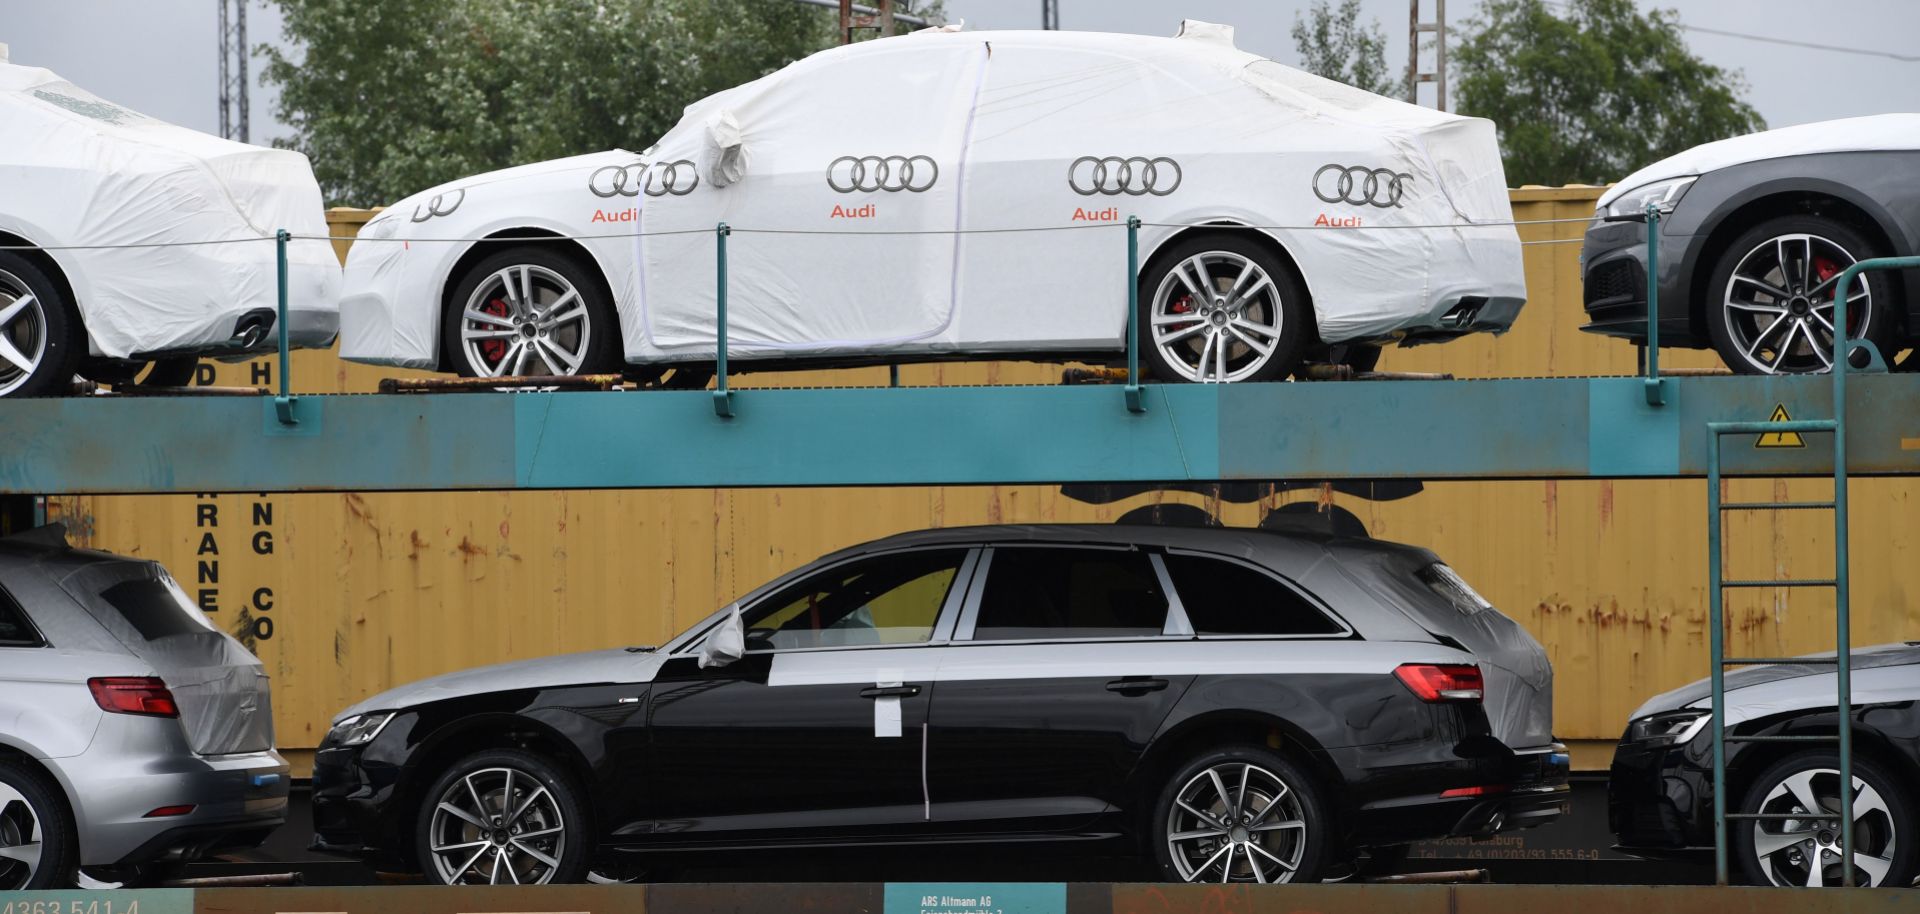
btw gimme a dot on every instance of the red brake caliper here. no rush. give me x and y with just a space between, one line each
494 350
1823 270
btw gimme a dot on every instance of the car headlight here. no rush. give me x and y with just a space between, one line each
1672 728
1666 193
359 729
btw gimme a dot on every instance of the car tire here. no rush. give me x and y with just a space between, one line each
1883 816
43 340
1748 319
1256 327
32 811
492 329
1290 849
547 842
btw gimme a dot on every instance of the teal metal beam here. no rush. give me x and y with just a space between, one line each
1565 428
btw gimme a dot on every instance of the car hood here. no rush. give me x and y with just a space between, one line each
608 666
582 163
1880 132
1865 658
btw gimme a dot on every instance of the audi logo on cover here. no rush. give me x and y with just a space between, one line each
1360 185
849 174
655 179
1131 175
440 205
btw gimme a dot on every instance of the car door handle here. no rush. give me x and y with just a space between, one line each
899 691
1136 685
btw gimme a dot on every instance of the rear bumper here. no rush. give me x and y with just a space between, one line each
237 801
1523 789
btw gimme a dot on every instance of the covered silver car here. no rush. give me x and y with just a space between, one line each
154 242
132 731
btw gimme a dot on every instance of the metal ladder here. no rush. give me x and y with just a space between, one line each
1718 585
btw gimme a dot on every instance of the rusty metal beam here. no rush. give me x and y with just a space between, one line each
1548 428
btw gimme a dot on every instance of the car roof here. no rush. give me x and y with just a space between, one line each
1292 545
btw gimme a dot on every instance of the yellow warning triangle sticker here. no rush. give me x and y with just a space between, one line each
1780 439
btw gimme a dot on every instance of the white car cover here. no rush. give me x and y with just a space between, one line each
1874 133
78 170
1017 137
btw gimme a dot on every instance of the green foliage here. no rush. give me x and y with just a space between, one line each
1333 44
388 98
1591 96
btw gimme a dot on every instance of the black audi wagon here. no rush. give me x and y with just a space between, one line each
1234 705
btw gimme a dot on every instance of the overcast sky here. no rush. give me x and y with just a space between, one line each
159 56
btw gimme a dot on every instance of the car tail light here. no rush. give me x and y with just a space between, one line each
168 812
1473 791
133 695
1438 682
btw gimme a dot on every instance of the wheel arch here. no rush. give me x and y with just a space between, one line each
1825 199
62 790
44 260
1183 741
477 251
1263 237
480 733
1868 740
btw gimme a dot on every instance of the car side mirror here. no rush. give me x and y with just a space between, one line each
726 643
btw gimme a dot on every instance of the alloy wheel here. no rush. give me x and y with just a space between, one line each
23 333
524 320
1236 822
1779 304
1216 317
20 839
1807 852
497 826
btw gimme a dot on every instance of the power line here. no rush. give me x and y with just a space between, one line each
1907 58
1768 39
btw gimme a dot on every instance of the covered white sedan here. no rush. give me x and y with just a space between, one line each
951 195
121 242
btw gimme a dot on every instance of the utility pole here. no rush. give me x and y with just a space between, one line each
1050 15
233 69
1438 75
852 18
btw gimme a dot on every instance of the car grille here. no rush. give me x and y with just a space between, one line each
1615 279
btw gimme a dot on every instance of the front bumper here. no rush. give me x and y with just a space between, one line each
237 801
1659 801
357 802
1613 269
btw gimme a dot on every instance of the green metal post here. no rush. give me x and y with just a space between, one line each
1135 403
1656 389
283 404
722 398
1842 610
1716 636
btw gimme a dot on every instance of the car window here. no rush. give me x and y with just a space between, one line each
1228 598
1070 593
15 630
154 609
888 599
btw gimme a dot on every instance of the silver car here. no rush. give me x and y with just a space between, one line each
132 731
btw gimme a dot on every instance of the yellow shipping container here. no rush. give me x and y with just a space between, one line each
344 595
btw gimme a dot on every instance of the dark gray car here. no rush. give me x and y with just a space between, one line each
1759 227
131 730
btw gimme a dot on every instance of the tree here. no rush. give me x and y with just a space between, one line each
388 98
1590 97
1333 44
